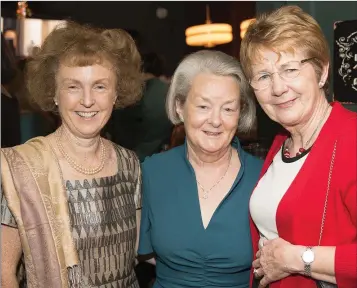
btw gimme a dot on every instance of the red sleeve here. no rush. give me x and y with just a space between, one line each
346 265
346 255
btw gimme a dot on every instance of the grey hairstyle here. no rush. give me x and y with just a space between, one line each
216 63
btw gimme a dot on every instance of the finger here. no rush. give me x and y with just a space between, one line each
259 273
267 242
256 274
259 253
256 263
264 282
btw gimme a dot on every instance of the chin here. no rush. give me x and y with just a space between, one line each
90 129
211 148
88 132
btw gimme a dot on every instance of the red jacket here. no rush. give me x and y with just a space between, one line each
299 213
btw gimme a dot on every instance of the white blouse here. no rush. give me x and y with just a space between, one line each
269 192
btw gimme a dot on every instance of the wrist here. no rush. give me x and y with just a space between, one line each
297 264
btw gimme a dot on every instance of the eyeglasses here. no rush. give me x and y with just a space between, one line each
288 71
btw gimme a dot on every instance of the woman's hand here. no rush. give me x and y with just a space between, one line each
275 260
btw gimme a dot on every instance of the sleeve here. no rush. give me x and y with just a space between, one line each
145 246
138 192
6 216
346 255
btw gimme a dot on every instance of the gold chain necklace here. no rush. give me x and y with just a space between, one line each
75 165
206 192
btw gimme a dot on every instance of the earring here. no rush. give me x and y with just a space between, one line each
55 102
321 84
181 118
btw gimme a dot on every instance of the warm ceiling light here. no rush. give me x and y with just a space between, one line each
244 26
209 35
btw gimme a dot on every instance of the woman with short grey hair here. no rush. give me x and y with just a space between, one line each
217 63
195 223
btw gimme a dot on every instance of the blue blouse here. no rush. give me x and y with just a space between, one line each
188 255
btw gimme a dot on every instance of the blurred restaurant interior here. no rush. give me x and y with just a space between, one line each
157 27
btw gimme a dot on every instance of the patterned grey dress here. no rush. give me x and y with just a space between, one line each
103 222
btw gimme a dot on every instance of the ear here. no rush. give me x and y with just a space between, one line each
179 109
324 74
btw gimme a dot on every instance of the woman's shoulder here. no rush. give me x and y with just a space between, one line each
343 119
125 154
164 159
253 165
37 145
253 160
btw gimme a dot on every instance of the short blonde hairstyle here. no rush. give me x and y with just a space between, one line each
216 63
80 45
287 29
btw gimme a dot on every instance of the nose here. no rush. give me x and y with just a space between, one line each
279 87
87 99
215 118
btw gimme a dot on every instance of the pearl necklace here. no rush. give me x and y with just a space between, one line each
78 167
206 192
302 149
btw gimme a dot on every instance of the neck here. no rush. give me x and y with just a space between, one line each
303 136
202 159
80 146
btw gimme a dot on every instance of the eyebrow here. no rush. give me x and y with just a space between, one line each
280 66
209 100
77 81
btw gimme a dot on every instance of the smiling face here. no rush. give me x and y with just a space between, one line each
211 112
85 97
290 103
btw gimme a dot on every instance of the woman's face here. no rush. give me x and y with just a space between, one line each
290 103
211 112
85 97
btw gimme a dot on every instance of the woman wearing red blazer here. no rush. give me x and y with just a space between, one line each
303 209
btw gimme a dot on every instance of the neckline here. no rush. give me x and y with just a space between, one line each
52 149
295 158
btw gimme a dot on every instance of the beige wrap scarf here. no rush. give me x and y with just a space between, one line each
33 187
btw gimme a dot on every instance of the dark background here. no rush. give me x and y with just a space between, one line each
163 36
167 36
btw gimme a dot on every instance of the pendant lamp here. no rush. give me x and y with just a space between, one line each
209 34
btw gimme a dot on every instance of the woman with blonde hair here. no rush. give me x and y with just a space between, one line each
303 208
71 200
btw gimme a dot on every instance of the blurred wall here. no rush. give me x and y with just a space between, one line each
164 36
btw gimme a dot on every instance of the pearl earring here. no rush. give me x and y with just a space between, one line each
321 84
181 118
56 102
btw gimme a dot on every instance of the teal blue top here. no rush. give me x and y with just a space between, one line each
187 254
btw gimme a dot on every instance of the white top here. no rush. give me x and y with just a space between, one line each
269 192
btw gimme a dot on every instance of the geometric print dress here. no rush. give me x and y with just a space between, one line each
103 222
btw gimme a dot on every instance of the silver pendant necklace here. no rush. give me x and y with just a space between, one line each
205 192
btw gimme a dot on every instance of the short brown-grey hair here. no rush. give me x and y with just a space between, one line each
287 29
73 44
216 63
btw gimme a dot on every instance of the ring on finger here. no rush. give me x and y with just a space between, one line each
255 272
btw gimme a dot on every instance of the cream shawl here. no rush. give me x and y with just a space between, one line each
33 187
